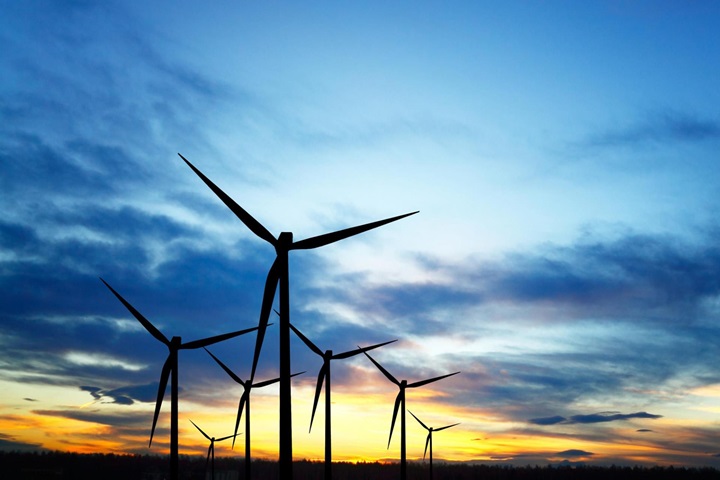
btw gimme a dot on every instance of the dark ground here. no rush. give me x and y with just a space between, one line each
58 465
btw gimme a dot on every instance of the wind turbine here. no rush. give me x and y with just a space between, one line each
400 400
211 448
279 273
324 374
428 441
171 367
247 385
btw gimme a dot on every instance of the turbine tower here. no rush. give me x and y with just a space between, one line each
428 440
279 273
171 367
400 401
247 385
324 374
211 449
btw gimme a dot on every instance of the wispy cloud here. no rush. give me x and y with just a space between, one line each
125 419
660 128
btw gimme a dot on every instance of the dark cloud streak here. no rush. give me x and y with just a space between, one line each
592 418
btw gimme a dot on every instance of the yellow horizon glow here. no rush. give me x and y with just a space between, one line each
360 428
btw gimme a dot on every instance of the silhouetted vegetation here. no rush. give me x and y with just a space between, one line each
61 465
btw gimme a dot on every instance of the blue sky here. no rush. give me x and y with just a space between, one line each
563 158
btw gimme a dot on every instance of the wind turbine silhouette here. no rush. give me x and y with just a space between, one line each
324 374
428 441
171 367
400 400
211 448
279 273
247 385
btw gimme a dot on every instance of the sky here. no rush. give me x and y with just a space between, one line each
563 157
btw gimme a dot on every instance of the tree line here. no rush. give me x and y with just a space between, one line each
41 465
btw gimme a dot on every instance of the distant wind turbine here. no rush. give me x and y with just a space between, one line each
247 385
279 273
400 401
428 441
171 367
211 449
324 374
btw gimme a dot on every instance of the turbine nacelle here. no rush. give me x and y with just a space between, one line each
284 242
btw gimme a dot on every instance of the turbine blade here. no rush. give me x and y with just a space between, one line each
385 372
446 426
268 297
327 238
161 393
255 226
225 367
217 338
430 380
427 442
200 430
241 407
419 421
207 460
352 353
143 321
394 417
318 388
265 383
225 438
307 341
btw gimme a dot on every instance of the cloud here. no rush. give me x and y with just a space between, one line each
124 395
85 195
8 443
661 127
574 453
611 318
626 274
651 278
591 418
81 138
126 419
74 78
548 420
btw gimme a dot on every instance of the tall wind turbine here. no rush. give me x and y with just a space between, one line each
324 374
211 449
428 441
400 401
279 273
171 367
247 385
